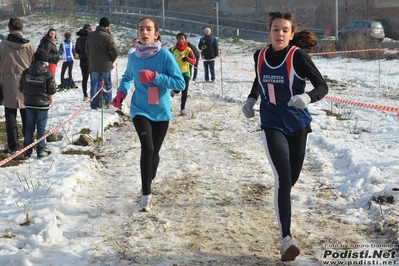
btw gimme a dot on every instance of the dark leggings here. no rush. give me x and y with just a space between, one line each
286 154
12 127
84 68
65 65
151 135
184 93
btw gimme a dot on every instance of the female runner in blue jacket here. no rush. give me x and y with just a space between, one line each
154 73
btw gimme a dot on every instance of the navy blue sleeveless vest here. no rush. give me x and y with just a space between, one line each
278 84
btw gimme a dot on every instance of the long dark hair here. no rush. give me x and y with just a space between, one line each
304 39
48 33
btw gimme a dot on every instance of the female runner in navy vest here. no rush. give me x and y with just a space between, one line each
281 72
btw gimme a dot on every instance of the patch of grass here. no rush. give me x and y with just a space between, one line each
3 144
355 42
14 162
19 159
254 193
393 56
335 84
325 47
236 40
3 135
332 81
360 42
85 131
115 124
330 113
384 199
8 235
80 152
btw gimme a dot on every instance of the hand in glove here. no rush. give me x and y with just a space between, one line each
184 59
248 108
300 101
146 75
117 101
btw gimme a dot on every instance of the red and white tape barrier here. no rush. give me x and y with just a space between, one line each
327 97
348 51
6 160
226 60
325 53
364 105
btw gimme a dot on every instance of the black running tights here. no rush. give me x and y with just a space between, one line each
151 135
286 154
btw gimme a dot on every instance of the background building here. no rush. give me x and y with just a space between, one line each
309 13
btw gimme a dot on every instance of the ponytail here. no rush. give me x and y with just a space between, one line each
304 39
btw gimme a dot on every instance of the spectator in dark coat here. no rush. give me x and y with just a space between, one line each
84 64
49 43
102 53
208 45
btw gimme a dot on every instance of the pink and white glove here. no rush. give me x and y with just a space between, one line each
117 101
147 76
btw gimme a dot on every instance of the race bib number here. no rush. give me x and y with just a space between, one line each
272 95
153 95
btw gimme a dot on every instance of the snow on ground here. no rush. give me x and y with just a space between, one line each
214 189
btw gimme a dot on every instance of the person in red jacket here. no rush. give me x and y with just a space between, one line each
184 57
49 43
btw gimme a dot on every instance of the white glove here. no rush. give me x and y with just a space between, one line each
248 108
300 101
